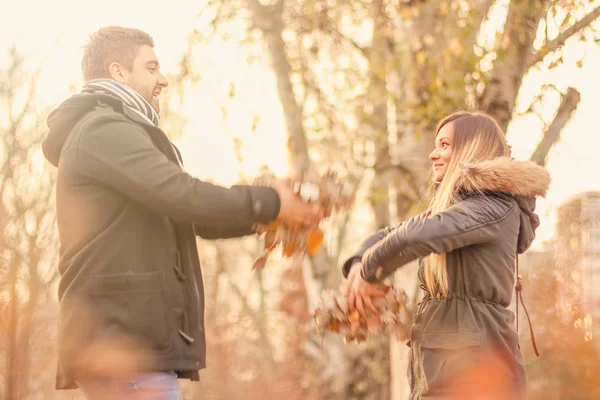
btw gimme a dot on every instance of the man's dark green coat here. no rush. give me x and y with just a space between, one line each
131 293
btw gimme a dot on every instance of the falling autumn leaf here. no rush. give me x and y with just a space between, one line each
289 249
327 190
314 241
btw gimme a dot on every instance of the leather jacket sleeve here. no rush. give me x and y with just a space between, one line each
474 220
370 242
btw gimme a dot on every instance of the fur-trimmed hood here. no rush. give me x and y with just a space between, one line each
524 180
517 178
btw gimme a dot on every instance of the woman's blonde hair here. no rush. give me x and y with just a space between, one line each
477 137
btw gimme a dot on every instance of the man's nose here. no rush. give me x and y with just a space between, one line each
162 81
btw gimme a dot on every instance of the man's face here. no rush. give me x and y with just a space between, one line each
145 76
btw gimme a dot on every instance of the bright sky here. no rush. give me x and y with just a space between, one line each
54 31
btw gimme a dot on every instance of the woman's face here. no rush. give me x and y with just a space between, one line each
442 153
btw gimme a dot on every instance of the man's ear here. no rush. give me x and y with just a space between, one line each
117 72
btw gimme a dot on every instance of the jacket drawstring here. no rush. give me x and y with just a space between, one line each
519 296
177 267
426 298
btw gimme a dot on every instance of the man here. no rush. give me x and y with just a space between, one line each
131 292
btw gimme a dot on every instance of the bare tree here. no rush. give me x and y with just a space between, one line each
27 236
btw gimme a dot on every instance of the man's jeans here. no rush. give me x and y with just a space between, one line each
145 386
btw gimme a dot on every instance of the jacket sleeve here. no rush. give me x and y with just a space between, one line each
370 242
210 232
121 156
473 221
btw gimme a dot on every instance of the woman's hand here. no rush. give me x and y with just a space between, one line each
360 292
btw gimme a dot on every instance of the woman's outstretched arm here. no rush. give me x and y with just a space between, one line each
473 221
370 242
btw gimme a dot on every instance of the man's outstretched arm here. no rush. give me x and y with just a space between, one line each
122 156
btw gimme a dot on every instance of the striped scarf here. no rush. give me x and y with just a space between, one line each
129 96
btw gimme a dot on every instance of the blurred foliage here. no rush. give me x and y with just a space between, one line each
569 361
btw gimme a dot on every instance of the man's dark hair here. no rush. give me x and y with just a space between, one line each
111 44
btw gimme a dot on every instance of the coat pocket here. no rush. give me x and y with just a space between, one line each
446 355
132 304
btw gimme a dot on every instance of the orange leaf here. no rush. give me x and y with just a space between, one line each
289 249
334 325
270 240
271 226
260 263
314 241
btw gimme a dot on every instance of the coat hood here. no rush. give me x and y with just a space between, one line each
524 180
62 120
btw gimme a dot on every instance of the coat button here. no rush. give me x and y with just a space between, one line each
257 207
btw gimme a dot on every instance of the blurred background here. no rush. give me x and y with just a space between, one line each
357 86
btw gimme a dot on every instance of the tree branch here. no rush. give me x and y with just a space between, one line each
557 42
566 109
259 322
343 38
217 18
483 9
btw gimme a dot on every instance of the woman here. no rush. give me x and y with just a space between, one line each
463 342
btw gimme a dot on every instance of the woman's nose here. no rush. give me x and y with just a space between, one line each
434 155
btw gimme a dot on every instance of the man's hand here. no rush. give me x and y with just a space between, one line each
360 292
295 212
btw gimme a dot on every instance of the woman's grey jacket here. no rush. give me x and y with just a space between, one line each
453 338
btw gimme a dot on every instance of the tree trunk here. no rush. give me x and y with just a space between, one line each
269 21
377 119
317 270
500 95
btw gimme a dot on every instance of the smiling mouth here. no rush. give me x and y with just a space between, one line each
436 166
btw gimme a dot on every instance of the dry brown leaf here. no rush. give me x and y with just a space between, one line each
394 316
327 190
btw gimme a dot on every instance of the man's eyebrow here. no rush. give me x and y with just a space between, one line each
152 63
